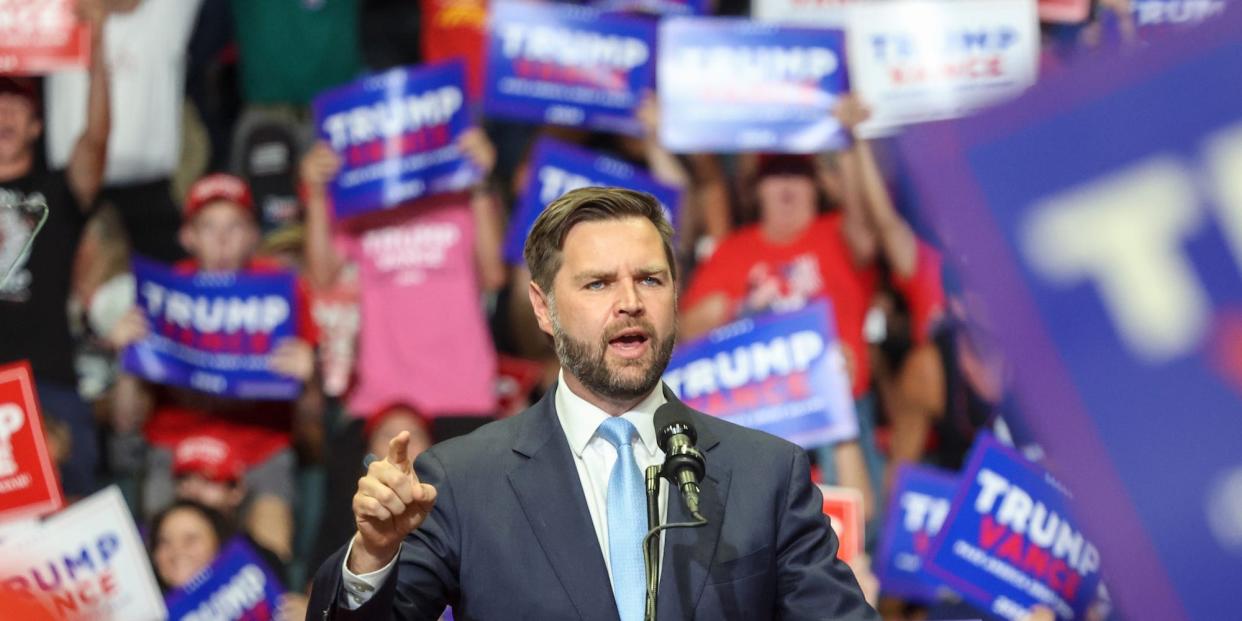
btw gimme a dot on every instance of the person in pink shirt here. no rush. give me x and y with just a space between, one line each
422 269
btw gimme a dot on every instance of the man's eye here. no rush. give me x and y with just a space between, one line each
653 281
595 285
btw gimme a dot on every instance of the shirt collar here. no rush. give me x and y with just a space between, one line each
580 419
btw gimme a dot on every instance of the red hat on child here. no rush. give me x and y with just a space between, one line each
208 457
218 187
375 420
22 87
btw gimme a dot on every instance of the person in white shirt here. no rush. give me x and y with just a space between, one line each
145 53
541 515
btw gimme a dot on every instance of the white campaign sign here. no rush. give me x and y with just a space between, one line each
86 562
923 60
825 13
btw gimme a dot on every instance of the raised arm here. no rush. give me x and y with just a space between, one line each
896 238
488 228
85 170
664 166
319 166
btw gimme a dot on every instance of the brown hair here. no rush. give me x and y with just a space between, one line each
547 236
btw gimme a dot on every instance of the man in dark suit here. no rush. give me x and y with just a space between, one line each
540 516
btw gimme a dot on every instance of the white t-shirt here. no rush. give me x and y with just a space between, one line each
146 55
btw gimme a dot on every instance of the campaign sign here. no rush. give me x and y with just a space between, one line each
920 503
515 379
1010 541
41 36
568 65
238 586
214 332
825 13
557 168
28 485
655 7
1115 262
86 562
921 60
843 506
783 373
730 84
1153 18
397 134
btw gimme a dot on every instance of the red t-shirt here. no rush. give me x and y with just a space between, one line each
254 429
757 275
924 293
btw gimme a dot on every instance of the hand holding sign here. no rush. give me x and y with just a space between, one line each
295 358
850 112
478 149
92 12
131 328
319 166
391 502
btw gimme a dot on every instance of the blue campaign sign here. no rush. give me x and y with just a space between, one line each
238 586
783 373
397 133
214 332
557 168
568 65
1010 541
730 84
657 7
1159 17
918 507
1114 262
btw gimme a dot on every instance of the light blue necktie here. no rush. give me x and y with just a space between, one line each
627 521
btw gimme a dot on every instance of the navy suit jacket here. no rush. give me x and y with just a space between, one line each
511 536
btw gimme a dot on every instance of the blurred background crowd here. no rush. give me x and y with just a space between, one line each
188 140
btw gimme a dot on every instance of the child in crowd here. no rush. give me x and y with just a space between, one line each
221 234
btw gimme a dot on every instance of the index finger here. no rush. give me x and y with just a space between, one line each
399 451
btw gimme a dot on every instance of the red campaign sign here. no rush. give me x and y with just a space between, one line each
41 36
843 506
1064 11
28 484
515 378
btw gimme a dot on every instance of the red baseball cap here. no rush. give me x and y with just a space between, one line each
22 87
218 187
784 164
208 457
386 412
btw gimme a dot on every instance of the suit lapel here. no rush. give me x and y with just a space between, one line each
548 488
689 552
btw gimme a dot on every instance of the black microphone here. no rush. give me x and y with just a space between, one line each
683 464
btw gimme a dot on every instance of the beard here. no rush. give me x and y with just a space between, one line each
627 379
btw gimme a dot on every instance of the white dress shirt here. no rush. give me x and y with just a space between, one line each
593 457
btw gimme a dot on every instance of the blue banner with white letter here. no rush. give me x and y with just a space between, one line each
397 134
917 510
1010 541
1160 17
237 586
783 373
214 332
1115 263
568 65
556 168
730 84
